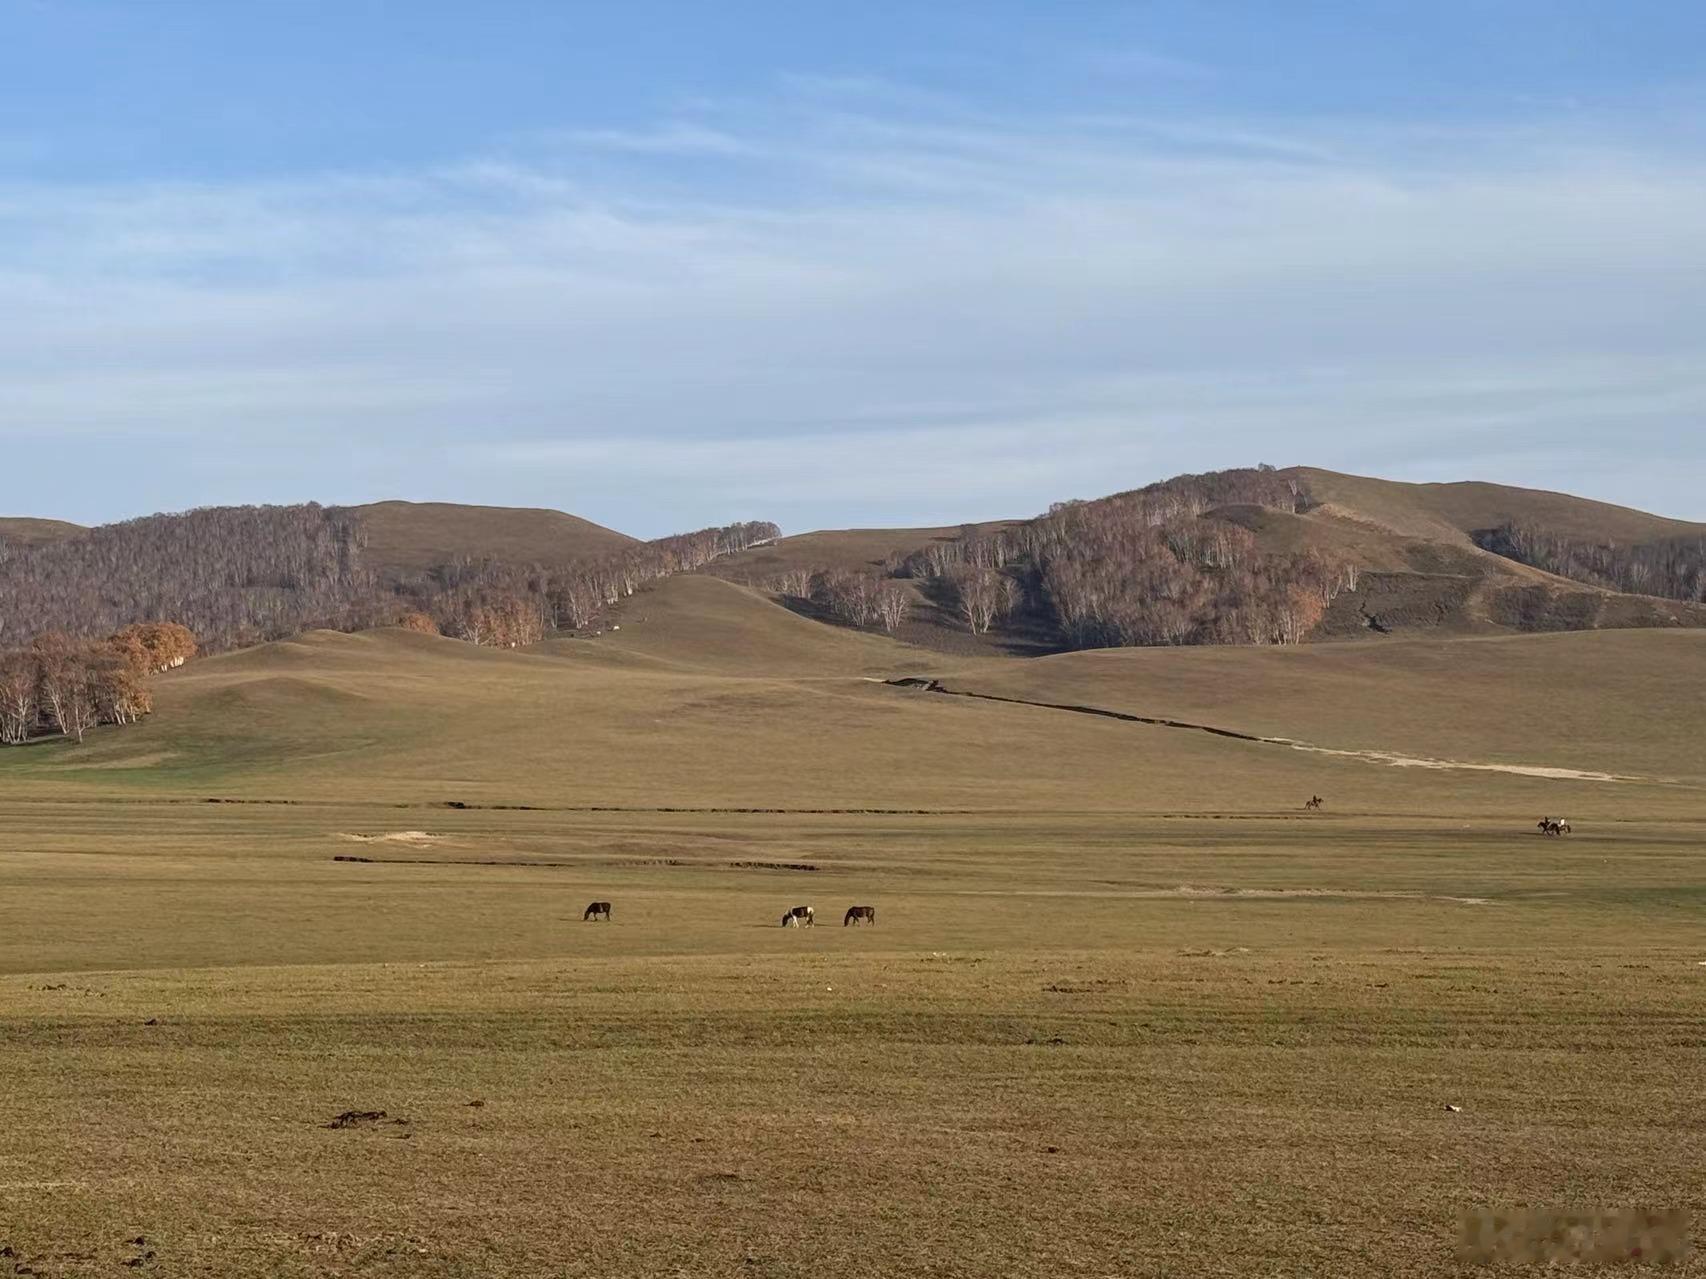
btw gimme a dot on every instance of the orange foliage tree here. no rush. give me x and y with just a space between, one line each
66 686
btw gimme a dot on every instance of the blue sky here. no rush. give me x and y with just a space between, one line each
667 264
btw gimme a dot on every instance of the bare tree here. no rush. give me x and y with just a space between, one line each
978 593
55 658
77 708
64 686
893 604
850 598
795 582
18 710
1674 567
1297 612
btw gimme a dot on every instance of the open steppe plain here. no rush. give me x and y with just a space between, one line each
1126 1009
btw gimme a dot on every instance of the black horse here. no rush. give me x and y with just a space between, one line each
859 914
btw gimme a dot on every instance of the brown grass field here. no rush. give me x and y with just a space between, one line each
1126 1010
412 537
25 531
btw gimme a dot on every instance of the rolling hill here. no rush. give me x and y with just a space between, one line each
1389 525
708 684
412 537
1413 558
710 695
1252 556
21 530
1450 513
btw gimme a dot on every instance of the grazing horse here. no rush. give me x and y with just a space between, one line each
597 910
857 914
1314 802
790 920
804 915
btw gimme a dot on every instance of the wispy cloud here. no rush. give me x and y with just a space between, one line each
667 140
1134 62
869 306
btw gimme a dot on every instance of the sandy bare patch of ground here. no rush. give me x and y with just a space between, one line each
1287 894
1415 761
408 838
1199 892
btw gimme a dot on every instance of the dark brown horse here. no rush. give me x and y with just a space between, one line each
858 914
1315 802
597 910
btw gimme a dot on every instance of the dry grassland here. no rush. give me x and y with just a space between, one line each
1125 1011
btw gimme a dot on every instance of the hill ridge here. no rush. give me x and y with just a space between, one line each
1245 556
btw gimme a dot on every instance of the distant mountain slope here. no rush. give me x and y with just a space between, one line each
240 575
1261 556
411 537
21 530
1244 556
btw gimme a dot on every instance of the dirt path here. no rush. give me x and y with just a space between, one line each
1391 758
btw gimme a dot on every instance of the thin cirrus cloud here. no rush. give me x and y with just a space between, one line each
844 308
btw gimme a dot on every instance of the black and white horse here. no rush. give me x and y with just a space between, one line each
597 910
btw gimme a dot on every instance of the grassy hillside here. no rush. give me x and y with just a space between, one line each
708 625
1450 512
414 536
1623 701
712 696
24 531
404 718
